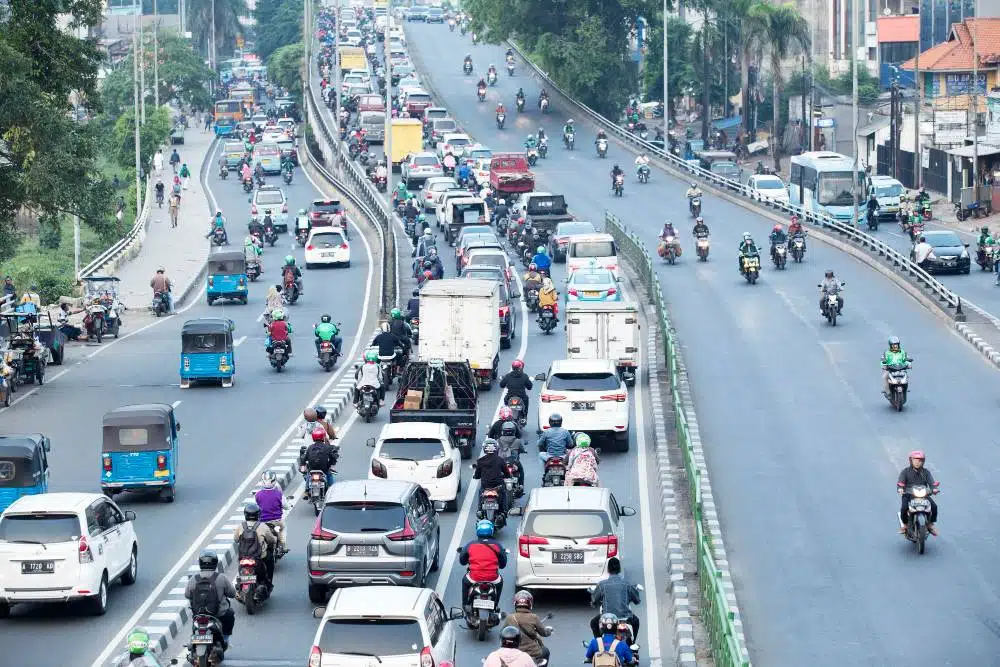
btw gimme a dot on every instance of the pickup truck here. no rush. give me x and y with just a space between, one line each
544 211
442 392
509 174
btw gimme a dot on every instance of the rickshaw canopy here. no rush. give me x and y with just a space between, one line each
146 426
22 459
228 262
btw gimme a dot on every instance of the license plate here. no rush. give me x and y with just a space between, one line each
328 254
161 473
592 294
491 506
583 405
920 504
483 603
38 567
202 640
567 556
362 550
246 579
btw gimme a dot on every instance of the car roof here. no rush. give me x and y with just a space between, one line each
439 179
326 230
940 233
370 490
592 270
53 502
425 154
570 223
767 177
884 179
581 366
568 498
457 135
406 430
593 237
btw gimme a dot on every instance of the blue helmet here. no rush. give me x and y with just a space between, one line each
484 529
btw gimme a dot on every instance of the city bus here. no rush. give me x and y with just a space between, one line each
228 113
821 181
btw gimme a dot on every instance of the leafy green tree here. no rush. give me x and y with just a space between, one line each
279 23
681 52
227 24
284 67
152 134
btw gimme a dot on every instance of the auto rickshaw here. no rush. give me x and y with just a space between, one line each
207 351
139 450
227 276
25 353
103 291
24 467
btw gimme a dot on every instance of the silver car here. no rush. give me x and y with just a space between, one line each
373 532
420 167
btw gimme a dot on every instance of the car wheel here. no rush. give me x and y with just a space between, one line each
621 439
98 604
505 343
132 571
4 610
437 554
317 593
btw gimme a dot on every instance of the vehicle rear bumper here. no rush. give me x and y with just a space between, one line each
343 575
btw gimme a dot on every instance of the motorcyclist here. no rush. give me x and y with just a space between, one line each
532 278
501 210
915 474
481 85
278 330
554 440
432 263
692 192
258 171
467 63
830 285
252 252
413 305
548 296
218 222
400 329
295 271
326 330
485 557
500 108
542 138
369 374
984 241
138 653
530 143
272 505
255 539
543 95
615 595
776 237
503 416
747 249
520 96
795 227
320 455
210 592
601 136
568 128
517 382
159 189
609 642
640 162
511 447
894 356
509 654
530 625
491 70
464 173
386 342
582 462
410 212
872 205
490 471
424 243
401 193
616 171
268 221
542 260
700 228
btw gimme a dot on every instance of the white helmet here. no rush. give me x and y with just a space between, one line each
385 327
428 233
268 479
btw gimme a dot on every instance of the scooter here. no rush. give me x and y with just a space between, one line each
316 488
248 590
547 319
482 608
918 515
278 356
205 646
253 271
328 355
367 405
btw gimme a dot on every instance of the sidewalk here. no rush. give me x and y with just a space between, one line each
181 251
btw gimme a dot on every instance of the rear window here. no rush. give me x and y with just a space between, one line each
442 186
458 141
488 258
468 213
234 147
266 197
425 161
570 230
379 637
372 118
593 249
327 240
436 113
573 525
443 125
418 97
40 528
363 517
266 149
591 279
414 449
770 185
583 382
326 207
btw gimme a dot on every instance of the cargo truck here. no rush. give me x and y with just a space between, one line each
460 321
608 330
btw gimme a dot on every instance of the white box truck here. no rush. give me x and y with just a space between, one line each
605 331
460 321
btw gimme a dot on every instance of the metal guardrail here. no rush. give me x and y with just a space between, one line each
123 244
718 614
359 190
948 300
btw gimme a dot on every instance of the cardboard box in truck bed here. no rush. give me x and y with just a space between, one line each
604 331
460 321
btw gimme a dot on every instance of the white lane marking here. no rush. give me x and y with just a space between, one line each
470 494
36 388
239 341
184 561
175 404
652 622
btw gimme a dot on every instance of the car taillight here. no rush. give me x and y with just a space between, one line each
253 210
524 543
612 267
405 535
310 247
504 311
320 533
161 462
86 555
343 246
426 659
610 540
463 432
315 657
612 291
445 468
378 469
548 398
573 292
563 241
106 460
242 282
284 208
619 397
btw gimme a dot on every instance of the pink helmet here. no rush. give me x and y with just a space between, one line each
917 454
318 434
506 414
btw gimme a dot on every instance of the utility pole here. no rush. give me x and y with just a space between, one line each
666 74
894 108
135 113
336 58
387 142
804 124
141 54
854 105
706 112
156 57
918 103
76 247
212 46
812 83
975 110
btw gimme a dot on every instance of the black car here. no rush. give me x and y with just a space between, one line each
949 254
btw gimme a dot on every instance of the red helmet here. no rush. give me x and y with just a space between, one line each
506 414
917 454
318 434
428 275
795 218
777 228
517 365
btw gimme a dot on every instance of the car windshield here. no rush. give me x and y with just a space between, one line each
443 125
943 239
592 278
328 207
48 528
362 517
235 147
573 524
770 184
574 228
417 449
594 249
417 97
481 154
425 161
371 636
835 189
437 113
327 240
266 150
891 190
265 197
601 381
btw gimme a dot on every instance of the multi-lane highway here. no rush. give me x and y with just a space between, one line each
803 450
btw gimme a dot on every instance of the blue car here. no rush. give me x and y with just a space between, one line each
592 284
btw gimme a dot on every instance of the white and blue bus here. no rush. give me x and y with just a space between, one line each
821 181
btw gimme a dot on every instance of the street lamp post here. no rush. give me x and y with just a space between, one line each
140 54
854 105
135 113
666 74
156 57
975 111
388 111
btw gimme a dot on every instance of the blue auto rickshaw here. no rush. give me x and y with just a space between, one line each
24 467
207 351
139 450
227 276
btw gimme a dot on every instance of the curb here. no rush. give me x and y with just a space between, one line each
984 348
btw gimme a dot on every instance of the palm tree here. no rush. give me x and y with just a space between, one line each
751 43
227 25
786 31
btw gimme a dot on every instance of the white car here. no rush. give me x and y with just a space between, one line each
419 452
65 547
406 626
325 246
481 170
768 187
589 395
567 535
354 37
455 143
352 80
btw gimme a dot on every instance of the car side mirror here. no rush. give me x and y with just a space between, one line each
640 588
318 612
627 511
177 426
541 377
370 442
819 286
620 279
129 515
47 444
843 284
516 510
455 614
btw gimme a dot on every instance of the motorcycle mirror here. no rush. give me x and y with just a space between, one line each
640 588
456 614
515 511
620 279
458 550
966 245
318 612
370 442
177 425
819 286
843 284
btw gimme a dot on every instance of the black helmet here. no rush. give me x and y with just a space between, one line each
508 429
208 560
251 512
510 637
326 319
555 419
416 292
320 412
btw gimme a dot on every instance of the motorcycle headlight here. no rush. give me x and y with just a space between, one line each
919 492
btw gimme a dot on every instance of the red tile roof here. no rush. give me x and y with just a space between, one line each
898 28
955 55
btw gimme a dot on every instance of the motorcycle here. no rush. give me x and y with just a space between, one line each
367 406
248 590
547 319
555 471
831 305
159 199
872 221
415 329
916 229
387 366
619 185
260 178
984 257
327 356
602 148
510 69
290 293
780 255
798 248
899 385
516 405
510 470
643 174
270 236
467 67
543 148
223 172
253 271
481 609
569 140
481 93
501 117
519 103
751 268
380 183
694 206
531 299
219 237
532 156
701 248
490 509
491 78
248 185
159 306
668 249
278 356
287 176
316 489
205 646
95 322
543 104
918 515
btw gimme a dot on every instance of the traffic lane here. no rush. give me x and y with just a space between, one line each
798 393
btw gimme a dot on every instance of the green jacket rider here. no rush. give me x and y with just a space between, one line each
894 356
985 238
327 331
747 249
531 142
568 127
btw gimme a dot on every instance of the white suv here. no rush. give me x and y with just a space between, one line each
63 547
589 395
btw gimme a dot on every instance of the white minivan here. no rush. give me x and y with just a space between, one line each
590 396
586 248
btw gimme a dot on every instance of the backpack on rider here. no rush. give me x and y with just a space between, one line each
205 598
606 656
249 544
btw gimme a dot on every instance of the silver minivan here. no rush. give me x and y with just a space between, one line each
373 123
